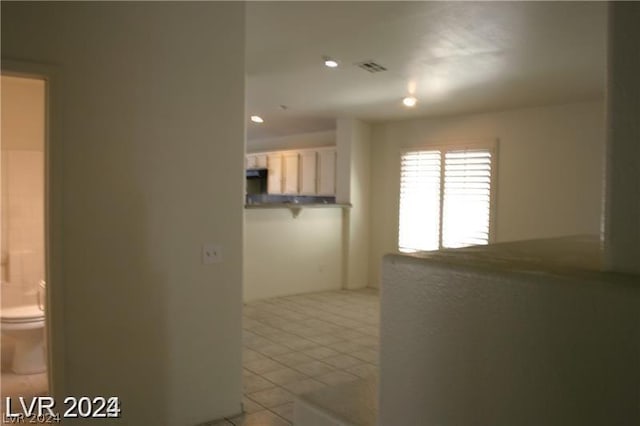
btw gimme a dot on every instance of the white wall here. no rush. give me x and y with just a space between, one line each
146 145
622 213
353 186
473 345
284 255
298 141
550 169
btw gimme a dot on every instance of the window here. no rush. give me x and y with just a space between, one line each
445 198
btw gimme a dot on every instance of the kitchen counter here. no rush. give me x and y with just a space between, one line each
296 207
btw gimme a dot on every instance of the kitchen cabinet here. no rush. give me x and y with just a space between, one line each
274 177
256 161
326 172
290 182
308 172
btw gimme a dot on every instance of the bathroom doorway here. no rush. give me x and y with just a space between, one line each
23 346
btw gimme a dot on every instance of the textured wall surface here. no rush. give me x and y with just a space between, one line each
480 345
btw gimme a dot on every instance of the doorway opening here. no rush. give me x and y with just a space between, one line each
24 355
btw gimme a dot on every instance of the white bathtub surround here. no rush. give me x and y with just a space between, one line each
23 217
517 333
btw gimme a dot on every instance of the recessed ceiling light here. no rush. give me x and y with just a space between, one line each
410 101
330 63
257 119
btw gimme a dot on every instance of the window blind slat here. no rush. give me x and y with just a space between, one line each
465 199
419 201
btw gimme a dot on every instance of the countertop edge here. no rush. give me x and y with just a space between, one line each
297 205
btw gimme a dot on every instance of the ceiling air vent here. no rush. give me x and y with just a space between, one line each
371 66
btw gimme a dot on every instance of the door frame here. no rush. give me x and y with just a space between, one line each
53 238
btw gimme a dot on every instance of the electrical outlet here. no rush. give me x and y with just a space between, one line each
211 253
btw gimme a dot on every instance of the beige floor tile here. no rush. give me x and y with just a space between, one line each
219 423
350 334
303 386
249 355
346 347
262 366
293 358
368 355
300 344
250 406
256 342
325 339
364 370
368 342
288 339
285 411
264 330
272 397
320 352
260 418
282 337
256 383
273 349
336 378
314 368
284 375
342 361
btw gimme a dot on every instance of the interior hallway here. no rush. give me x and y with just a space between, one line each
297 344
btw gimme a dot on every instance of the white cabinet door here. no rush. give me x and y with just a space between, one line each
327 172
308 173
261 161
274 177
291 173
252 161
256 161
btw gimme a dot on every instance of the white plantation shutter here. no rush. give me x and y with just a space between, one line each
467 198
419 201
445 199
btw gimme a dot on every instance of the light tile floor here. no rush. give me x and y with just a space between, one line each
292 345
298 344
24 385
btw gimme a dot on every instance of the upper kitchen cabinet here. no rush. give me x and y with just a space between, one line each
274 177
326 171
308 173
290 183
256 161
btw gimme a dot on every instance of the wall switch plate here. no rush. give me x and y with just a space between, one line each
211 253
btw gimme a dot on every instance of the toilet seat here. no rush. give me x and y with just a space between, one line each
21 314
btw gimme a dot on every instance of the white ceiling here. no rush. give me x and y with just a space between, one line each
457 57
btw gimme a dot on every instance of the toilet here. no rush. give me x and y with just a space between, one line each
25 324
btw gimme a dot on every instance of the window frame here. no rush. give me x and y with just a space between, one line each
491 146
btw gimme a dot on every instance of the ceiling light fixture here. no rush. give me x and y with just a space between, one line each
257 119
330 63
410 101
